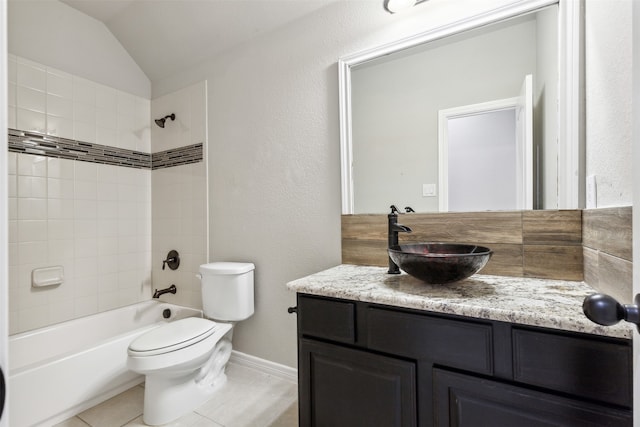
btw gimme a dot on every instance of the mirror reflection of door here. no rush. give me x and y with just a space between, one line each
486 154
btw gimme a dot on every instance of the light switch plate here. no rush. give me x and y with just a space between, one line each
428 190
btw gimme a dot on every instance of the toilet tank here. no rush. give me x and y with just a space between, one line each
227 290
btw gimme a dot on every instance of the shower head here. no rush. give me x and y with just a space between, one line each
160 122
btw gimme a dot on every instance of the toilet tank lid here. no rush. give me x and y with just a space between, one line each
226 268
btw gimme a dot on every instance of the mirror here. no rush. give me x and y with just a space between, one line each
399 103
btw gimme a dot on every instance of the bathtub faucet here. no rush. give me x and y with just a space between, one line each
170 290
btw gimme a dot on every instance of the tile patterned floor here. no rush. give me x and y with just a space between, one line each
249 399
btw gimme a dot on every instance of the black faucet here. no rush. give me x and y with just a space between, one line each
170 290
394 229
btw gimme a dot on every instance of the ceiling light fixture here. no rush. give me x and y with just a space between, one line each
395 6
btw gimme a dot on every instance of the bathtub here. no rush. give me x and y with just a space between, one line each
58 371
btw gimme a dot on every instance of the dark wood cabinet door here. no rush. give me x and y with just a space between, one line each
345 387
467 401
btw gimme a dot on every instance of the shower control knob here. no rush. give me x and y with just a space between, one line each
605 310
173 260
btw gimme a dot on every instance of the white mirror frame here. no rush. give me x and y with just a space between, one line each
571 156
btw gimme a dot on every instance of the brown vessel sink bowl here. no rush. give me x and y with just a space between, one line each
440 263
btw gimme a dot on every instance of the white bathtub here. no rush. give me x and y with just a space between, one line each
58 371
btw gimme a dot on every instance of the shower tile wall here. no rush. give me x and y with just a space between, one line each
49 101
179 194
93 219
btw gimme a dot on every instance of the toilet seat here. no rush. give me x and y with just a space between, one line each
173 336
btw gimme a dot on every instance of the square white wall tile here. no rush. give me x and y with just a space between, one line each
86 190
12 163
60 168
62 251
32 208
85 132
60 188
32 230
60 229
12 117
31 99
106 136
59 83
13 231
59 209
32 186
31 165
31 121
59 106
107 99
59 126
86 171
12 94
12 68
31 74
84 91
13 186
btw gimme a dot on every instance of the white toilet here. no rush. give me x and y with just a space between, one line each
184 360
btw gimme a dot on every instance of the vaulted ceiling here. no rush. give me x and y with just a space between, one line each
167 36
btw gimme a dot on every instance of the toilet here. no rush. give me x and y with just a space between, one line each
184 360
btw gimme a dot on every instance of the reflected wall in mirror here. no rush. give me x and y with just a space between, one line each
393 96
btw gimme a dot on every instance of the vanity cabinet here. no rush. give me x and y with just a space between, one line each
363 364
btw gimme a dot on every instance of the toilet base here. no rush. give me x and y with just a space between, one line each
168 396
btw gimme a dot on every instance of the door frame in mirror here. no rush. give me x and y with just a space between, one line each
571 155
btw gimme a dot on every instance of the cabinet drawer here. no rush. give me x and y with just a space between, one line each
591 368
467 401
456 343
332 320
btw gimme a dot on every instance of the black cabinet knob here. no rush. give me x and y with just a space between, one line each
292 310
605 310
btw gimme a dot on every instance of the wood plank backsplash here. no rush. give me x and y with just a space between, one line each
607 243
544 244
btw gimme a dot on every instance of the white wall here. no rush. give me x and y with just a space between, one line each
52 33
608 99
274 151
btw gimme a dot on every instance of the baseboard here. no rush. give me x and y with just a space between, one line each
266 366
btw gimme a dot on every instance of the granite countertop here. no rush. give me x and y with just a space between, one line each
555 304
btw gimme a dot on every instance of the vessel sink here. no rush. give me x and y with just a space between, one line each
440 263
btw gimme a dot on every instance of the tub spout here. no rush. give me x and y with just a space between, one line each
170 290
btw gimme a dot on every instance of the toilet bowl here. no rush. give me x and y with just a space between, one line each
184 364
184 360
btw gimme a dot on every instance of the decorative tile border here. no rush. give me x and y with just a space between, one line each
177 156
51 146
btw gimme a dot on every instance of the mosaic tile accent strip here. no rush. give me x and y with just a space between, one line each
51 146
177 156
63 148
